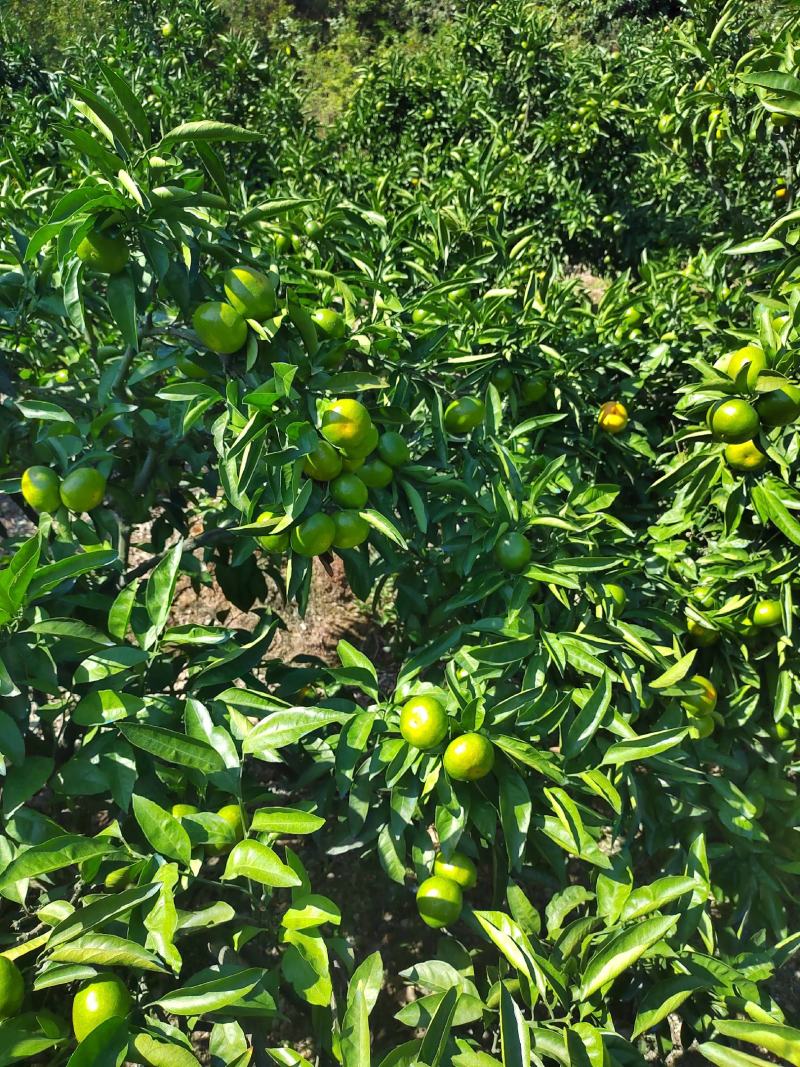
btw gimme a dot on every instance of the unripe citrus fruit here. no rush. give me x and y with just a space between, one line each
346 424
767 613
703 700
439 901
102 998
232 814
329 322
250 293
40 489
700 634
166 29
469 757
103 253
464 414
503 379
314 536
350 529
12 988
352 463
779 407
745 456
701 727
419 315
750 356
323 463
423 721
459 869
272 542
349 491
179 810
613 417
366 447
532 390
220 327
82 489
314 228
393 449
376 474
617 595
513 552
733 421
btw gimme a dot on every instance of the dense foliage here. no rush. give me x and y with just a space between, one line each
514 338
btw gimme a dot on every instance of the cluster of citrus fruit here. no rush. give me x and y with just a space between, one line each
737 421
423 724
221 325
81 490
350 457
440 898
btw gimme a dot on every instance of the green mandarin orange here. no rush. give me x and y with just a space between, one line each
83 489
365 448
393 449
779 407
250 292
423 721
314 536
376 474
439 901
532 390
702 635
459 869
469 757
513 552
347 425
617 595
704 700
750 356
102 998
350 530
733 421
329 322
323 463
179 810
272 542
767 613
745 457
103 253
463 415
220 327
349 491
503 379
40 487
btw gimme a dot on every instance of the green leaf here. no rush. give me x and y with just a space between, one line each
623 951
173 747
205 130
292 821
211 994
161 587
53 855
784 1041
258 862
162 830
121 295
106 950
287 727
98 912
